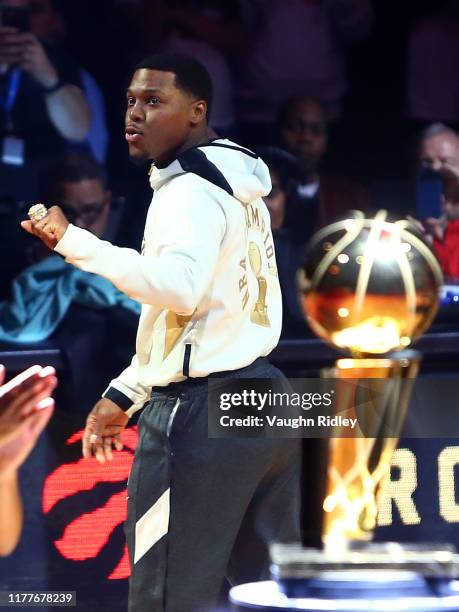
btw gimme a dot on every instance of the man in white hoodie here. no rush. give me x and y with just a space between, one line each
198 508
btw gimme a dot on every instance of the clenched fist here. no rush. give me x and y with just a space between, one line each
50 229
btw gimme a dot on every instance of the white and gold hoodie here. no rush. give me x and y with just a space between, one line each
206 278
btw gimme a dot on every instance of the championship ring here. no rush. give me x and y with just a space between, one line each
37 212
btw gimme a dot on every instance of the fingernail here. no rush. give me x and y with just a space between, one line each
47 371
32 371
45 403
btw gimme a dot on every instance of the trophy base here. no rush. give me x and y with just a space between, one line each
365 570
366 576
269 597
430 560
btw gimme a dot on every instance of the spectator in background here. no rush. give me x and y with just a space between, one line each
48 24
314 200
297 48
444 231
438 153
44 108
284 171
25 409
79 184
433 57
438 146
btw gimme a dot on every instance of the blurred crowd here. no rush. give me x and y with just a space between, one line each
353 104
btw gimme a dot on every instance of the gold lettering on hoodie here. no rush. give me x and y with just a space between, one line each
254 220
243 290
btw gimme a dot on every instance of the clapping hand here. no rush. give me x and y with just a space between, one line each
25 408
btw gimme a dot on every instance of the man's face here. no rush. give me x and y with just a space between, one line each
438 150
86 204
304 133
158 116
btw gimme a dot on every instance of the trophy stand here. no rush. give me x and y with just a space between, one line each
357 466
350 569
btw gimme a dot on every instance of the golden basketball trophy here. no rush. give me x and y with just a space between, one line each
370 287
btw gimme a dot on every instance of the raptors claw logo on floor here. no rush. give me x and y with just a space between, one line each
87 534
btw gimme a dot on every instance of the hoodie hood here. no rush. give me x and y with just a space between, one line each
238 171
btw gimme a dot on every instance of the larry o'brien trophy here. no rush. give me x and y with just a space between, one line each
370 287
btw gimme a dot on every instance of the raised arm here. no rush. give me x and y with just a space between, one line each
175 277
66 105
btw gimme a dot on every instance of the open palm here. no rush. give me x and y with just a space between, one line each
25 408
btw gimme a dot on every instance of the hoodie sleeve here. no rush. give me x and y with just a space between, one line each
190 228
126 391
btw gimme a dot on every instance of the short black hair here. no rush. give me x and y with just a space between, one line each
71 168
190 75
283 113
